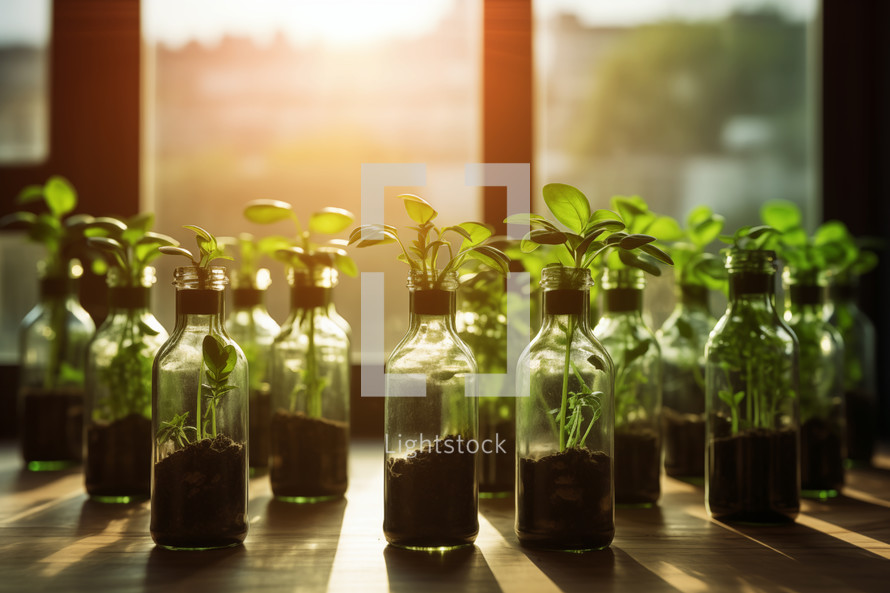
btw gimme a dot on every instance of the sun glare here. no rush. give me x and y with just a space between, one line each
344 22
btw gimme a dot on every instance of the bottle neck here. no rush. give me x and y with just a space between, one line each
627 301
247 298
563 304
57 289
310 297
432 306
751 286
692 297
199 307
128 298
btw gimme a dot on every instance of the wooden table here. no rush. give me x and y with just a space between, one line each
52 538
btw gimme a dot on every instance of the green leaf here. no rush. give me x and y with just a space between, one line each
477 233
634 241
636 352
172 250
634 261
330 221
268 211
31 193
705 231
148 246
219 357
657 253
418 209
782 215
491 257
380 235
269 245
629 208
346 264
568 204
23 219
545 237
60 196
665 228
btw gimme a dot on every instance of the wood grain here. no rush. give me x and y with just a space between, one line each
52 538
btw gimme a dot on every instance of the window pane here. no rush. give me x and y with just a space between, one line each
684 103
24 64
287 100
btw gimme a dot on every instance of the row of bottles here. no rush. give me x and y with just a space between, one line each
753 401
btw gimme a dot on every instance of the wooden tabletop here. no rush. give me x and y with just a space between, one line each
52 538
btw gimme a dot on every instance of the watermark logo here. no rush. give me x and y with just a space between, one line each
447 445
516 177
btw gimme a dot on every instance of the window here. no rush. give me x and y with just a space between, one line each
24 66
684 103
288 100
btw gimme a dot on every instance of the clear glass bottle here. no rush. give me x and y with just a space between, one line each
821 365
860 378
310 395
430 426
682 339
254 330
637 358
482 324
54 337
751 389
118 403
564 424
199 420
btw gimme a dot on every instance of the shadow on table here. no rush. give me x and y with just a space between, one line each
214 569
19 479
464 569
95 517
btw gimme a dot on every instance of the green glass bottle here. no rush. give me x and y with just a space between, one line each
310 394
821 363
118 378
751 394
638 382
682 338
199 418
431 425
565 417
54 338
253 329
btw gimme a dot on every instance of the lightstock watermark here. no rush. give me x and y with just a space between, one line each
516 177
447 445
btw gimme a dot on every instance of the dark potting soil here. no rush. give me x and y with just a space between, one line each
309 456
430 499
53 425
199 497
684 444
637 466
753 477
861 428
565 501
258 451
821 458
497 470
118 462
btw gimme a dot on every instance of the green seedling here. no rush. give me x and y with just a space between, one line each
587 235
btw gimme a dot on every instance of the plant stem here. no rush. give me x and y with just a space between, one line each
570 334
313 393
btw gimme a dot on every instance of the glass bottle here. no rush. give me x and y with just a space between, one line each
751 386
482 324
430 426
118 378
682 339
860 378
821 365
310 394
564 423
637 358
199 419
54 337
253 329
